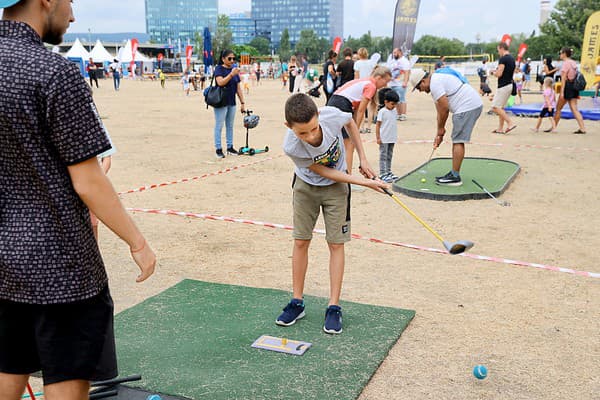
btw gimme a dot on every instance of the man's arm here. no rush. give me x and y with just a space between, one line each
339 176
499 71
443 110
96 191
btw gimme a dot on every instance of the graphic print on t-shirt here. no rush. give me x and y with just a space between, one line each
331 157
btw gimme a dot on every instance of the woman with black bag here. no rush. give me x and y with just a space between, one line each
227 76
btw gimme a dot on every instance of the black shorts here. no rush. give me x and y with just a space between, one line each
570 91
342 104
64 341
546 113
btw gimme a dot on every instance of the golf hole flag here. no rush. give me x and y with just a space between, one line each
405 23
590 48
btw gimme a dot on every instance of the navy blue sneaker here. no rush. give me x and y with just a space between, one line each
333 320
291 313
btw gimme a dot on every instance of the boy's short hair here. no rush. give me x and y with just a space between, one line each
300 109
391 96
347 52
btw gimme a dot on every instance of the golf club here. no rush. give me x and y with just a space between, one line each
453 248
501 202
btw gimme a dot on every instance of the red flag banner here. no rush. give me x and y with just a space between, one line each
506 39
337 44
188 55
160 57
521 53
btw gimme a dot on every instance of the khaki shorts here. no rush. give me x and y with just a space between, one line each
335 202
502 95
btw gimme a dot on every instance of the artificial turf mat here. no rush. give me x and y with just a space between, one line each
493 174
193 340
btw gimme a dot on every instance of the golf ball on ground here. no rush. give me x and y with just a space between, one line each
480 371
423 180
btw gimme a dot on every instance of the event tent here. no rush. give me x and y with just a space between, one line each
125 55
99 54
79 55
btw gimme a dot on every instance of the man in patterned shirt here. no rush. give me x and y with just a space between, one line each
56 313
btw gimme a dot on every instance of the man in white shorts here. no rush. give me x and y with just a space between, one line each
452 94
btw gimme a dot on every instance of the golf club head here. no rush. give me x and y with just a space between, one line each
458 247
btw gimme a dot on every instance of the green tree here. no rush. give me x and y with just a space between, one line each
199 44
437 46
566 24
261 44
285 50
223 38
310 45
244 48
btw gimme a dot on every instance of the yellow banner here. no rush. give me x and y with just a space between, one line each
590 48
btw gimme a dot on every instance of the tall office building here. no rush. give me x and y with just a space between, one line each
169 20
242 28
325 17
545 10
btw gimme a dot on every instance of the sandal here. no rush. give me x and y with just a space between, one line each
497 131
579 131
548 130
510 129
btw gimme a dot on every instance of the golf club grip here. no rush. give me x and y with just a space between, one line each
478 185
116 381
104 395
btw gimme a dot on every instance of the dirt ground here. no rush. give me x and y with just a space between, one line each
537 331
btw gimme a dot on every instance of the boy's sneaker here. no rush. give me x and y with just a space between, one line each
291 313
387 177
220 153
449 180
402 117
394 176
232 152
333 320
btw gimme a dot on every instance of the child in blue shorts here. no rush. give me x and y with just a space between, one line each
315 144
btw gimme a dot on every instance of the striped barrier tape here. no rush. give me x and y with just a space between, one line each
195 178
369 239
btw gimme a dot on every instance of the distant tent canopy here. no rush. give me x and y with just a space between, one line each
125 55
78 51
99 54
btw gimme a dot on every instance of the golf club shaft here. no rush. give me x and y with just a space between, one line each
415 216
431 155
485 190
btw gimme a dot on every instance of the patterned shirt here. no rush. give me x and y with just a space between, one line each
48 121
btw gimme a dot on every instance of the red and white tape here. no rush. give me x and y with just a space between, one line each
195 178
526 146
374 240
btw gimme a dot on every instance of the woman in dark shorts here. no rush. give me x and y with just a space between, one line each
568 93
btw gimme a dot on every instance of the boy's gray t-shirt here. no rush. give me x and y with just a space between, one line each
330 153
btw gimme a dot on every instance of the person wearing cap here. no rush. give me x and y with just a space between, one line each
451 93
56 312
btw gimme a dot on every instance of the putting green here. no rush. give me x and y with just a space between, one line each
493 174
193 340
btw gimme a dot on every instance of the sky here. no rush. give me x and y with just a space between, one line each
461 19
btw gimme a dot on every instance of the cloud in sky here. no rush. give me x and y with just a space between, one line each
462 19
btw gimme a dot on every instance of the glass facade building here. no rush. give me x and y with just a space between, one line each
170 20
242 27
272 17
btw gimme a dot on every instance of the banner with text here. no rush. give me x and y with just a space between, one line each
405 23
590 48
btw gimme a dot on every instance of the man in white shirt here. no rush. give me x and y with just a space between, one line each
452 94
400 67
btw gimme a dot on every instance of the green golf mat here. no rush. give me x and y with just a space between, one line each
493 174
193 340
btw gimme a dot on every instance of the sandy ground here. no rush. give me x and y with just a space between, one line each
537 331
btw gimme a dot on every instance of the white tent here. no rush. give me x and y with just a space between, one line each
125 55
100 54
78 51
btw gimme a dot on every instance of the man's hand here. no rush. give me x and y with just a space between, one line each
437 141
146 261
